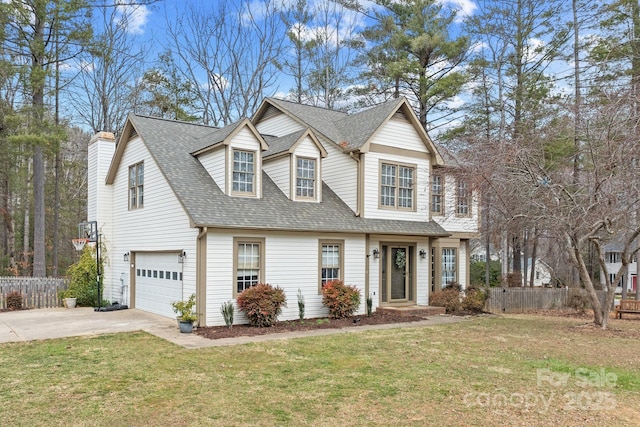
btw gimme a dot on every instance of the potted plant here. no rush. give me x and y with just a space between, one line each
186 314
69 297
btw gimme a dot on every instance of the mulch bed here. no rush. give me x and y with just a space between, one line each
217 332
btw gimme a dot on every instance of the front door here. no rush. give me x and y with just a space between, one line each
396 273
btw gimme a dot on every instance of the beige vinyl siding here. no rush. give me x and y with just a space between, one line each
279 171
99 207
423 272
372 208
309 150
282 253
246 141
162 225
213 162
399 133
449 220
461 274
374 273
340 173
279 125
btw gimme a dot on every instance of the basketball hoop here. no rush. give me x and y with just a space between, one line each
79 243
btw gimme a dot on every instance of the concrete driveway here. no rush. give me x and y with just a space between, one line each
40 324
48 323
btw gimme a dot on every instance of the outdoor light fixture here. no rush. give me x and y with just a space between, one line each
423 253
182 256
126 257
376 253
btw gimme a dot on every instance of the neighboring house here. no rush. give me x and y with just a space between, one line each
295 197
543 272
613 261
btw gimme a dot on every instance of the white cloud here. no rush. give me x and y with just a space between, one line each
465 8
132 17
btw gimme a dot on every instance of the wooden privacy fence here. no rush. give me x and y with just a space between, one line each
37 292
520 300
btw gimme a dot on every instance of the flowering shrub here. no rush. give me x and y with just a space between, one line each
341 300
262 304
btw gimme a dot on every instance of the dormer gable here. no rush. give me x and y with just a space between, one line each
294 163
233 158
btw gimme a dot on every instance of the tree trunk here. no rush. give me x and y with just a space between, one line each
38 82
39 265
525 257
505 257
25 201
534 254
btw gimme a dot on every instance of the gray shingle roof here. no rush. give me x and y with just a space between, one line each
170 143
278 145
355 129
216 135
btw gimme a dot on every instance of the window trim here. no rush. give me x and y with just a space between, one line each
459 198
440 211
414 195
315 179
138 187
260 241
255 172
340 244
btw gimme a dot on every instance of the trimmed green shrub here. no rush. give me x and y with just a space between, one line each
341 300
227 313
474 299
82 279
262 304
14 301
448 297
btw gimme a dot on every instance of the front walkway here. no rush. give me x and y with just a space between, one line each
40 324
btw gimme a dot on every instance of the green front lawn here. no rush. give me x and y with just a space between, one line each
512 370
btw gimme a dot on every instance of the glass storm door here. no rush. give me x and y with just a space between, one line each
398 268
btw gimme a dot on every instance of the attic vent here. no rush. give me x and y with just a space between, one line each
400 115
132 134
271 112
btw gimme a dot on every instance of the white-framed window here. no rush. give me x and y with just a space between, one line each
331 261
136 186
249 264
437 187
463 198
244 172
397 186
613 257
305 178
448 266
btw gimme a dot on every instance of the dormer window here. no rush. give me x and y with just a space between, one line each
306 178
244 172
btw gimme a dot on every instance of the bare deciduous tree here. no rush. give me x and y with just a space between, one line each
228 53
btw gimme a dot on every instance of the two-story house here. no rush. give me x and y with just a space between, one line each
295 196
613 262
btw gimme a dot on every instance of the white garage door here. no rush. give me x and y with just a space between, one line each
158 282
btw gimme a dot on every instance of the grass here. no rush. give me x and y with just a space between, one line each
511 370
